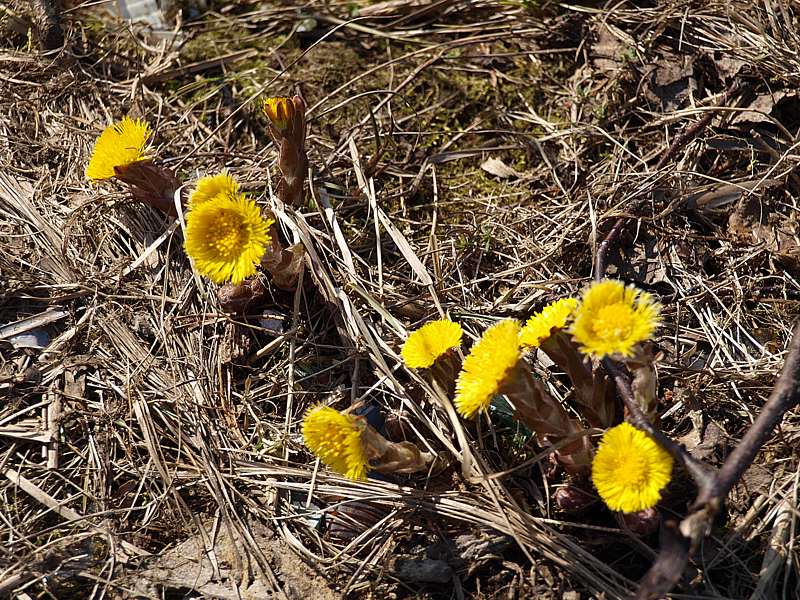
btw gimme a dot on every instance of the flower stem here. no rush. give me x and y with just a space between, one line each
547 418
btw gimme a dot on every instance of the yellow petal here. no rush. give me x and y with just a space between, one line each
486 367
120 144
429 342
226 238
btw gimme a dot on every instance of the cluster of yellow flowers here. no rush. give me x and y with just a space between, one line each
610 319
226 233
629 469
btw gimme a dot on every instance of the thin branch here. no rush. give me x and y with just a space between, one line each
785 396
680 540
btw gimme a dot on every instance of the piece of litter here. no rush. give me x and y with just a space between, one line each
272 321
36 339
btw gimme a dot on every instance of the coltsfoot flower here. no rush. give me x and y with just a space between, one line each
280 110
120 144
630 469
226 237
612 318
211 186
335 438
486 367
429 342
540 326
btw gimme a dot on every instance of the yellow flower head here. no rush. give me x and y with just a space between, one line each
280 110
120 144
612 319
630 469
429 342
540 326
487 366
336 439
226 236
211 186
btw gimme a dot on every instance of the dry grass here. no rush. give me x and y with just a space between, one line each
150 417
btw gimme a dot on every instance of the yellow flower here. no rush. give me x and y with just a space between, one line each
226 236
429 342
213 185
120 144
336 439
540 326
612 319
630 469
487 366
280 110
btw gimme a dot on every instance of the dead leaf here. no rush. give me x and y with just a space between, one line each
728 66
641 260
607 51
761 107
753 221
671 81
702 442
715 196
496 167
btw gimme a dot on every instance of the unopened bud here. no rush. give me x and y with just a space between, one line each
280 110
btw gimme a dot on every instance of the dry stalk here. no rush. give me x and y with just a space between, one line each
151 184
547 418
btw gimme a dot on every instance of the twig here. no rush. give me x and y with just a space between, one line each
785 396
602 250
680 540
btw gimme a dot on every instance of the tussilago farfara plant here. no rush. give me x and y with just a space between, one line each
227 235
119 153
226 232
287 127
495 365
546 330
351 447
616 321
613 319
434 347
630 469
608 320
119 145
